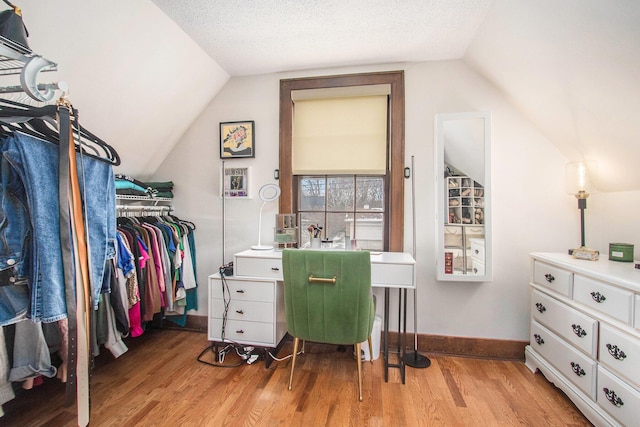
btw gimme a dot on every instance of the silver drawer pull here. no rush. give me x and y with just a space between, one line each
577 329
539 339
616 352
549 277
598 297
612 397
541 308
577 369
240 291
239 311
240 331
275 269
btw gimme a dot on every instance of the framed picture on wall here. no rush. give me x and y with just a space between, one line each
237 139
235 182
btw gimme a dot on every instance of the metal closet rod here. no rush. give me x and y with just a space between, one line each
143 209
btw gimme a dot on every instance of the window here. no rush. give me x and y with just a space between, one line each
392 200
349 207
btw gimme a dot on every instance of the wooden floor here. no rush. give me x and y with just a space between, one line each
159 382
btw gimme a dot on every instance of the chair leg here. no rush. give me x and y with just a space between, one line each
370 349
359 360
296 342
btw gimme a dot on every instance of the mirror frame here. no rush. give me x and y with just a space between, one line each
439 192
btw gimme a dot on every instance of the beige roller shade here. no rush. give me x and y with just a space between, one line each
342 135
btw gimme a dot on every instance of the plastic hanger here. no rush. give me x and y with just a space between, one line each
40 122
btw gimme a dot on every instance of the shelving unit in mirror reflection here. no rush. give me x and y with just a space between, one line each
464 221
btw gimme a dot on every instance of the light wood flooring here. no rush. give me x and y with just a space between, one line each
159 382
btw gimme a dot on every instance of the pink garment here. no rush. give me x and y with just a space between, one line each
135 320
144 256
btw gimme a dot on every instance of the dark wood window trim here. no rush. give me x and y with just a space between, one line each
395 194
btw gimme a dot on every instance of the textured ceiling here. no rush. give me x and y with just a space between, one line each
265 36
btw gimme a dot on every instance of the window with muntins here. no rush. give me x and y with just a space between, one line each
350 209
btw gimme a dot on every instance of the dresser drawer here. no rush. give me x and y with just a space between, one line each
270 268
552 277
571 363
244 290
612 301
477 249
243 332
577 328
254 311
477 267
621 353
618 398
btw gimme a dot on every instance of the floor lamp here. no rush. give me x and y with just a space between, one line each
415 359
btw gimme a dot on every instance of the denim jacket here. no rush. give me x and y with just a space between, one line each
30 229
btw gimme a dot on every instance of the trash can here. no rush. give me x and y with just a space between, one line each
375 341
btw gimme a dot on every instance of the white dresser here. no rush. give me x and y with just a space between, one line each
585 334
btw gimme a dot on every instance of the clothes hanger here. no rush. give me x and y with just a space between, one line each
40 122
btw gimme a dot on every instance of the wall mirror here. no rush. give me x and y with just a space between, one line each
463 192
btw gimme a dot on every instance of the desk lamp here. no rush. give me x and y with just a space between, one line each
580 181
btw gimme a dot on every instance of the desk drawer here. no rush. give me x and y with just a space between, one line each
392 274
618 398
572 364
612 301
243 310
636 323
577 328
553 278
243 332
621 353
270 268
244 290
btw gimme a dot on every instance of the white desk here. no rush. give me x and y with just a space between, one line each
389 270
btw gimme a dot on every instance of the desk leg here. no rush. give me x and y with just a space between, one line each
403 336
386 335
402 331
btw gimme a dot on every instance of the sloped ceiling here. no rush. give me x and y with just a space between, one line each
573 68
141 72
128 68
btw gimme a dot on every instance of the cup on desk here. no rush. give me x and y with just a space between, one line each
315 243
327 244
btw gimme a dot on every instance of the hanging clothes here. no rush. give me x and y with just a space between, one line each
165 270
29 190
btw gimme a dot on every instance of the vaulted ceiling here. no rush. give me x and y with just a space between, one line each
572 67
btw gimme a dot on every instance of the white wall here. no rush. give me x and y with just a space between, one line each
531 211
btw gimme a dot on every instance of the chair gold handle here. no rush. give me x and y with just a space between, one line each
321 279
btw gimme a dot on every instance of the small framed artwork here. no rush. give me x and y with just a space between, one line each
235 182
237 139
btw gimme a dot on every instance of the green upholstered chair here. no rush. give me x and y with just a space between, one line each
328 299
